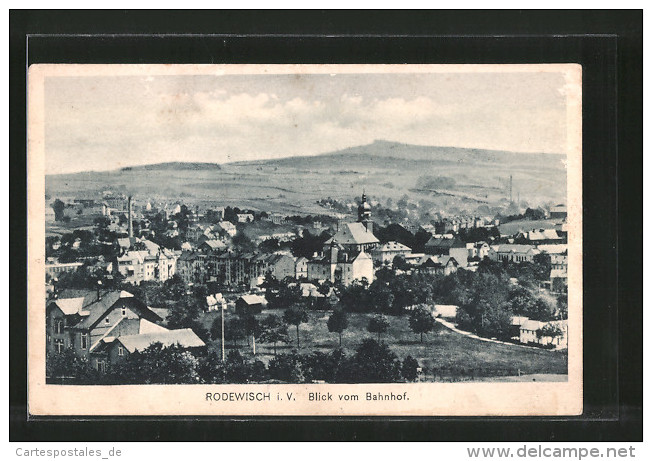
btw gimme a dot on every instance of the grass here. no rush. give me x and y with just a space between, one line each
526 225
444 355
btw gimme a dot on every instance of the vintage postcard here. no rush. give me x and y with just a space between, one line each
350 240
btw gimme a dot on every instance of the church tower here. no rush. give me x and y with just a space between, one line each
364 214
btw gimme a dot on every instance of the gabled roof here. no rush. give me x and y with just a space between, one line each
352 234
532 325
70 306
445 243
392 246
253 299
96 310
184 338
553 249
515 248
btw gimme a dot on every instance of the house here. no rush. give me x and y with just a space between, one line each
227 228
439 265
146 261
211 245
385 253
277 218
245 217
281 265
114 349
56 269
301 268
250 303
558 212
447 311
540 236
80 322
553 333
339 265
454 247
513 253
477 250
559 281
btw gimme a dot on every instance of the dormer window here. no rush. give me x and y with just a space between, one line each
106 320
124 311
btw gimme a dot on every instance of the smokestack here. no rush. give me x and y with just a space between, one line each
131 222
510 189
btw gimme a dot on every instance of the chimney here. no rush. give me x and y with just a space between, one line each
131 222
99 285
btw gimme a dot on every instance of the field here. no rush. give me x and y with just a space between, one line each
473 178
526 225
445 355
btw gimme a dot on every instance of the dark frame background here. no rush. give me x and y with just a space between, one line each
608 44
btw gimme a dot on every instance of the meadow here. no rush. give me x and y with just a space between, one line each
444 354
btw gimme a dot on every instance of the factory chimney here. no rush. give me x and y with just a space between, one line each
131 222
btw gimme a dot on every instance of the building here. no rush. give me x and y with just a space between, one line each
56 269
146 262
535 332
357 236
301 268
540 236
513 253
245 217
385 253
341 266
454 247
114 349
345 256
281 265
250 303
558 212
439 265
227 228
80 322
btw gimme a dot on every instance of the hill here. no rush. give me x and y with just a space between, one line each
173 166
448 178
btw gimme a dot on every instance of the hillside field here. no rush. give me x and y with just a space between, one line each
471 178
445 355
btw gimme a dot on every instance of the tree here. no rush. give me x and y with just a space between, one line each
295 316
273 330
211 369
338 322
157 365
58 206
409 368
378 324
421 321
372 363
251 325
287 367
69 366
234 329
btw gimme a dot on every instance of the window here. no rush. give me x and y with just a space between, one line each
124 311
58 326
101 366
58 345
106 320
121 351
84 340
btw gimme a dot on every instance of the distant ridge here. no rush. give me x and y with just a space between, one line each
412 152
174 166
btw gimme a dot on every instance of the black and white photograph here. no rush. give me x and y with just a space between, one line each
245 237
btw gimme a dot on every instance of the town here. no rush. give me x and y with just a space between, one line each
368 291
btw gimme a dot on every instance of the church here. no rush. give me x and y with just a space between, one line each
345 256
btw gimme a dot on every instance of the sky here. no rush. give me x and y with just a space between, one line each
108 122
